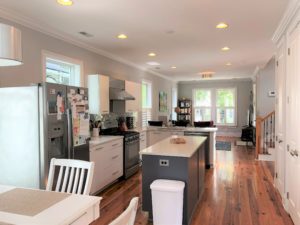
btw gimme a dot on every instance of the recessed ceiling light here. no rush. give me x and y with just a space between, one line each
173 67
65 2
222 26
228 64
151 54
226 48
153 63
122 36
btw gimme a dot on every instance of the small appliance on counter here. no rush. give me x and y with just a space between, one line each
155 123
130 122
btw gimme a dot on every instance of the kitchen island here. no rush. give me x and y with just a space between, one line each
156 134
184 162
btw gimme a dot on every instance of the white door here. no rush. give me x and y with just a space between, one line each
280 120
292 130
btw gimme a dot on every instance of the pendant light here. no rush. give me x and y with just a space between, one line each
10 46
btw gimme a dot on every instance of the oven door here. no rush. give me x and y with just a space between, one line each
131 154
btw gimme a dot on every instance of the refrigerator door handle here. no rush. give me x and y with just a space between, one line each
70 156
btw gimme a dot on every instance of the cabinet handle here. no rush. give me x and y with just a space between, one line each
114 157
156 132
97 149
105 111
115 173
280 141
115 144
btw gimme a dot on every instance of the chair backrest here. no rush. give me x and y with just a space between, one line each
128 216
74 176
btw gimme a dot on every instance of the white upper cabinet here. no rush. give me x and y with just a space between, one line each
98 86
135 89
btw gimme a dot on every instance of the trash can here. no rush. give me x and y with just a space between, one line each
167 202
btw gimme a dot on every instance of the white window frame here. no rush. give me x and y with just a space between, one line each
174 102
195 107
214 105
63 59
147 111
235 107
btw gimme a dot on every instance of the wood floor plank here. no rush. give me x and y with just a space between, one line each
238 191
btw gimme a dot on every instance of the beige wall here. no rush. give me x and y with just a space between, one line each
35 42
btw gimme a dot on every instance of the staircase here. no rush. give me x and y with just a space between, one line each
265 137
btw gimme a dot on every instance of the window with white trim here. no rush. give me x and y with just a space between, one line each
62 70
226 106
146 102
202 104
217 104
174 102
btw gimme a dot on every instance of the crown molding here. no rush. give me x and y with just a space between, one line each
211 80
45 29
289 13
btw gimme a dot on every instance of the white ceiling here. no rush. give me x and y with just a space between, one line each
192 46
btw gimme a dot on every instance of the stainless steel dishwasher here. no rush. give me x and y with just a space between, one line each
208 160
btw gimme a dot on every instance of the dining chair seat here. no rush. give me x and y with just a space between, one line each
70 176
128 216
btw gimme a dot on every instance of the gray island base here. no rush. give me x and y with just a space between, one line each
183 162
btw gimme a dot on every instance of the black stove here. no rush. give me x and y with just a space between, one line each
131 146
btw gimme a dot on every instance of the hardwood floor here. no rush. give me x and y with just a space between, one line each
239 191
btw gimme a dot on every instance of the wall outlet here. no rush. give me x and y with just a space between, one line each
164 162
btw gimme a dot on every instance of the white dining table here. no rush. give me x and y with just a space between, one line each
71 210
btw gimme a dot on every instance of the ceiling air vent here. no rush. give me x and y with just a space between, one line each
83 33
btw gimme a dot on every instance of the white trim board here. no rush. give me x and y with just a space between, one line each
291 10
43 28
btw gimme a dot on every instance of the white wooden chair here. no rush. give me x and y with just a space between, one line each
128 216
73 176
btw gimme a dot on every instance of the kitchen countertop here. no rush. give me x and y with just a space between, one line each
165 148
103 139
194 129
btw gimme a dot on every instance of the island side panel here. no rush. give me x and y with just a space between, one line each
193 187
151 170
201 169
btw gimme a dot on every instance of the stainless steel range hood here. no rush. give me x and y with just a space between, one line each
117 91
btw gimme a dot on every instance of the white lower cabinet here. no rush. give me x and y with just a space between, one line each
143 140
108 159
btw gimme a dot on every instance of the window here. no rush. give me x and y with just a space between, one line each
146 103
174 102
225 104
215 104
62 70
202 105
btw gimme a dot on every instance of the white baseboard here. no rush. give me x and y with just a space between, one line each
264 157
243 143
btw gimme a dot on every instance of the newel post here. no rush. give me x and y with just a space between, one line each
258 136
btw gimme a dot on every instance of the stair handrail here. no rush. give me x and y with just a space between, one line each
259 121
268 115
